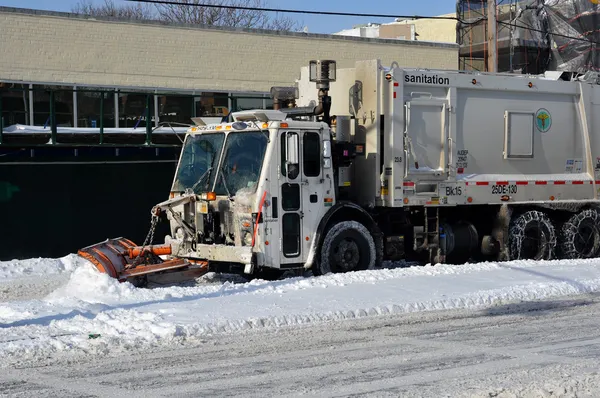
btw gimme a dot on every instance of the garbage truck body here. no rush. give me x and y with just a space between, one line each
360 165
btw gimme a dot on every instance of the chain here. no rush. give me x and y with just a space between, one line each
148 241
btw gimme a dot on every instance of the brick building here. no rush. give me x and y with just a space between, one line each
109 66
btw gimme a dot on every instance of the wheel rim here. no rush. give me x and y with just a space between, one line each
585 240
534 243
346 255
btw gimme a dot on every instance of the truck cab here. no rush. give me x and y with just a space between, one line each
261 184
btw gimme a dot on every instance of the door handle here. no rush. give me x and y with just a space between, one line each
450 153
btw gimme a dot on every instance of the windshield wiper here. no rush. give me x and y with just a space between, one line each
207 172
225 185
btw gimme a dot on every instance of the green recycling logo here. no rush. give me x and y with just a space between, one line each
543 120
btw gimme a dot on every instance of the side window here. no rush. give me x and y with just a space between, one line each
290 197
289 155
291 234
311 154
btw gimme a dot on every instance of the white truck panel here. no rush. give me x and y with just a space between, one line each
452 138
505 129
595 135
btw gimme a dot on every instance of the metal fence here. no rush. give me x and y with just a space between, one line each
98 111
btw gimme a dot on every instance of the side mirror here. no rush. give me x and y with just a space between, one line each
292 155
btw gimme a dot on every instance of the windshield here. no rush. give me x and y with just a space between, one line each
198 155
242 163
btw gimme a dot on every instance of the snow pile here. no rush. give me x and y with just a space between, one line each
38 266
34 278
120 316
89 285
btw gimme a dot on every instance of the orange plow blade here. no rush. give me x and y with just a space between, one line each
121 259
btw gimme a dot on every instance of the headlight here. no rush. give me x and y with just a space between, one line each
247 238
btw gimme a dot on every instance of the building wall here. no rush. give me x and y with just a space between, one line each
51 47
394 31
437 30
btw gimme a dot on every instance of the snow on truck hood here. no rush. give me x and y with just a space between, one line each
92 313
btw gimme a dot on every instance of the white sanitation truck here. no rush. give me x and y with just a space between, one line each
359 165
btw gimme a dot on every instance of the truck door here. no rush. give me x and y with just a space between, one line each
427 138
290 179
312 187
302 193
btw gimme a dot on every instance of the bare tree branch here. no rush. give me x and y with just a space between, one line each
110 9
183 13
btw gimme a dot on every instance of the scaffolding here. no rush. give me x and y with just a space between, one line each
520 50
575 25
533 36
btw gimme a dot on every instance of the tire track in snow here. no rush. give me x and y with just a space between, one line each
445 353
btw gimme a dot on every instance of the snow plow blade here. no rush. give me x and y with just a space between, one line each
123 260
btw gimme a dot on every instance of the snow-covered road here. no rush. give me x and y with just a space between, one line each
534 349
52 308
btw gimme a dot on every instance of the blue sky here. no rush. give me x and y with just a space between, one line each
315 23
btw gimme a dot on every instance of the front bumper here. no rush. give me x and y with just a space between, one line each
225 254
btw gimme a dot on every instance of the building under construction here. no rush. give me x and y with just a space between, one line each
532 36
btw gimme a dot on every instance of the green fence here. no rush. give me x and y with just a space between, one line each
54 107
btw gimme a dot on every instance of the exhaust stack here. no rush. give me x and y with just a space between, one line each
323 72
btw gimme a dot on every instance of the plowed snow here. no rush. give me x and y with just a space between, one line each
121 317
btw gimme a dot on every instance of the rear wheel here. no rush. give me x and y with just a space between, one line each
348 246
532 237
580 235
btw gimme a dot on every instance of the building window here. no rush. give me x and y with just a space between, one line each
242 103
124 107
212 105
89 108
175 108
15 103
63 105
132 109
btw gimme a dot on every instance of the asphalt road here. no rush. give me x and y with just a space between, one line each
549 348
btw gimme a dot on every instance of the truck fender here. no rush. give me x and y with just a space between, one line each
344 211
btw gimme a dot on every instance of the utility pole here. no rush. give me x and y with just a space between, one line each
492 58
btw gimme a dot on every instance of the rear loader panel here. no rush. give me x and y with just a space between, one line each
509 139
594 133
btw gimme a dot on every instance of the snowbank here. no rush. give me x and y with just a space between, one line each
38 266
119 316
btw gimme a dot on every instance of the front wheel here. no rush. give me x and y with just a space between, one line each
348 246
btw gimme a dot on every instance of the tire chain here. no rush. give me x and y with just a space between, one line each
570 229
517 233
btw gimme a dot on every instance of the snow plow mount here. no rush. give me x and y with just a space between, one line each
122 259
